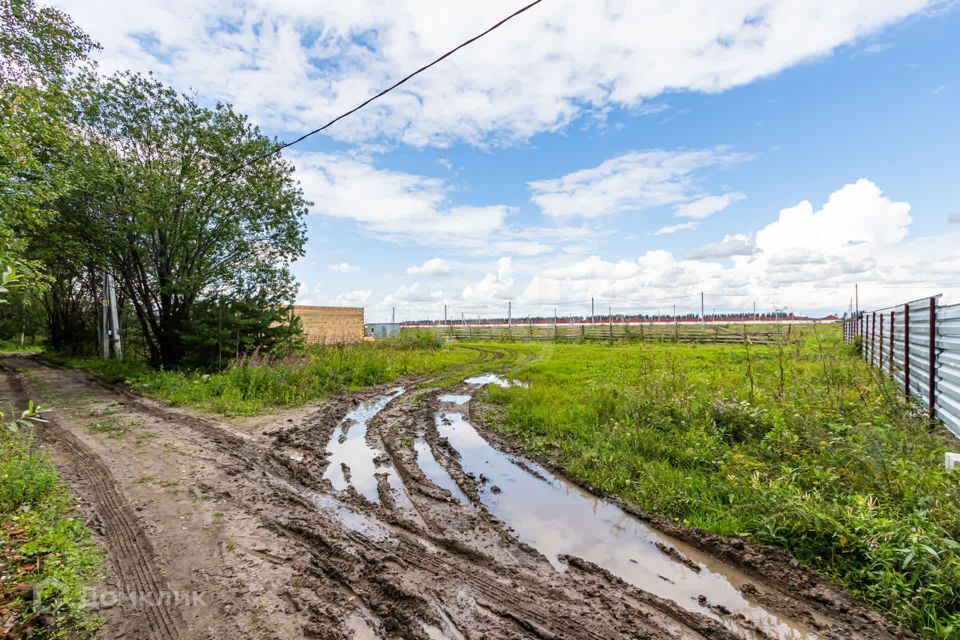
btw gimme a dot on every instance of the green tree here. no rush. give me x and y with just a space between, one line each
44 75
160 209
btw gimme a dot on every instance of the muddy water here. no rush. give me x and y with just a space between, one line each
348 446
559 518
435 471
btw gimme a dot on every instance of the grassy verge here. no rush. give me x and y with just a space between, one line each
805 448
46 555
257 383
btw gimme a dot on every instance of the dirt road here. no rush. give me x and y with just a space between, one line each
390 514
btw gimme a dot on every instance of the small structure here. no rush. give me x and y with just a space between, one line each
331 325
383 329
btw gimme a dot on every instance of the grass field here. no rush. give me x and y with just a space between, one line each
803 447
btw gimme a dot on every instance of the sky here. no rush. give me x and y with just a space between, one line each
634 152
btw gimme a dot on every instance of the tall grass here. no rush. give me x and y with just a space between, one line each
43 543
257 382
806 448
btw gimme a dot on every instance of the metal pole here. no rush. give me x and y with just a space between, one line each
104 321
114 319
509 313
880 346
702 317
873 337
906 350
891 343
931 372
592 320
754 310
393 315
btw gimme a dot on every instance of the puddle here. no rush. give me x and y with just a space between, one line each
435 471
360 628
348 445
453 398
559 518
350 519
493 378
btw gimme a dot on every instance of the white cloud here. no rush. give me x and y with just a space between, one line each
857 219
707 205
674 228
806 258
391 204
494 286
343 267
633 181
355 298
293 64
412 293
434 267
954 218
731 245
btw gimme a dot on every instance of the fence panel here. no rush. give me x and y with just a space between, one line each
918 345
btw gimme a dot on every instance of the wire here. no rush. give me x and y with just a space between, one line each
381 94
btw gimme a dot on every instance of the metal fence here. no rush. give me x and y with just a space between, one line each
918 344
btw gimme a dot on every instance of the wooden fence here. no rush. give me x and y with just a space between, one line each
614 332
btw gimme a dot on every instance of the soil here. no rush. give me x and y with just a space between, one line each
219 529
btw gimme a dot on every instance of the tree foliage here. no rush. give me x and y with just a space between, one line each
127 176
157 211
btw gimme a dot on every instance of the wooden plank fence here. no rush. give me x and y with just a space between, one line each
614 332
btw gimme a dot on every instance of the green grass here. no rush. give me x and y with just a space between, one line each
805 448
259 383
44 546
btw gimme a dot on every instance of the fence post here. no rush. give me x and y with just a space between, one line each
932 373
880 346
873 338
892 316
906 350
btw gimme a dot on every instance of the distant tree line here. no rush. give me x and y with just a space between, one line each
124 175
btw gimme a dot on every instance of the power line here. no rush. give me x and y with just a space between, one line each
449 53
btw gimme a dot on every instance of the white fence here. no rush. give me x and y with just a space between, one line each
918 344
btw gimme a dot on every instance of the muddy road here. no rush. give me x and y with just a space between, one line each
391 513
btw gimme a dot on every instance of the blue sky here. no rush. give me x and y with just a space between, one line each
634 152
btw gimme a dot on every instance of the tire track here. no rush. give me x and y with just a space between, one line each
131 552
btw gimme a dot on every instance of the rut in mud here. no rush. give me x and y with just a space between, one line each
405 518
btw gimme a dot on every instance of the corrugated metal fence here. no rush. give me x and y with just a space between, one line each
918 343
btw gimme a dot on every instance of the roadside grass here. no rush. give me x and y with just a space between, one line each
259 382
805 448
46 555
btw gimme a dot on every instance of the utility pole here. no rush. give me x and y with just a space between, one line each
592 315
509 313
702 317
114 318
754 310
104 322
444 314
393 314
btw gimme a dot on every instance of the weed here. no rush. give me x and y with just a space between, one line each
110 428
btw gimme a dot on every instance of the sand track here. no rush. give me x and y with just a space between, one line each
418 541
